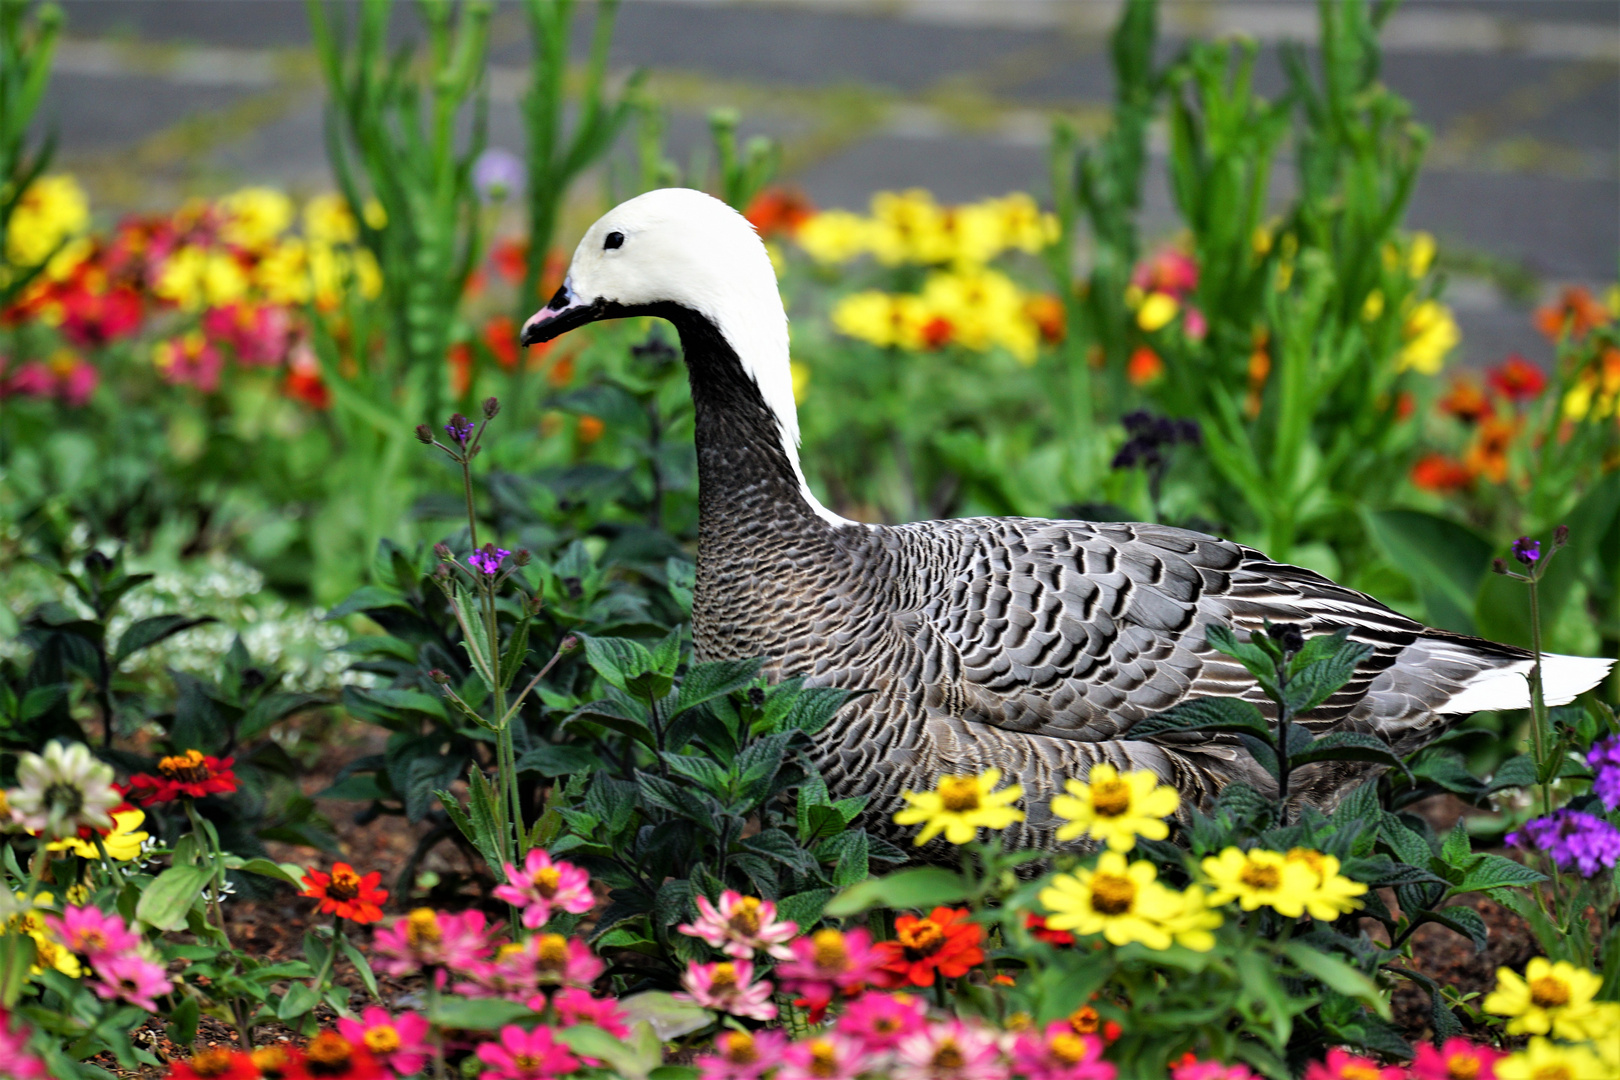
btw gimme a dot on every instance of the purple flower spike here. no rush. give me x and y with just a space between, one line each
487 559
1527 550
1604 757
1573 840
497 175
460 429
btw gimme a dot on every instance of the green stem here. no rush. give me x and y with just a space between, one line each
1538 701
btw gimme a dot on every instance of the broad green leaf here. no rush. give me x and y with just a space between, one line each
368 598
1445 561
290 873
550 759
148 632
477 1014
298 1000
1337 975
1205 714
1348 746
618 660
1494 871
920 889
165 902
1465 921
669 1018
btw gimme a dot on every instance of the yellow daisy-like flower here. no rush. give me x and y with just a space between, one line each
1156 311
959 806
123 843
50 210
1261 878
1116 809
835 236
1549 998
1123 903
254 217
1194 924
1427 335
1335 894
1544 1060
48 952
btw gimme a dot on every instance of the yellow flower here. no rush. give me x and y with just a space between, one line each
984 307
1543 1060
835 236
1428 334
1555 998
254 217
181 279
1261 877
906 228
1420 256
1123 903
69 258
959 806
800 374
51 210
374 214
48 952
1335 894
224 281
1156 311
327 220
1116 809
283 273
1193 924
1023 226
122 844
1373 306
968 235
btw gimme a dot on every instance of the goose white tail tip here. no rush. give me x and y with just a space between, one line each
1564 678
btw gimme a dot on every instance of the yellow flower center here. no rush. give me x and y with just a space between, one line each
1067 1048
745 916
1310 858
188 767
1462 1067
739 1049
1085 1020
1358 1072
1555 1071
422 928
949 1055
1548 992
382 1039
91 941
922 938
1261 876
724 977
273 1062
959 794
552 951
328 1053
546 880
345 885
1110 798
211 1063
831 954
823 1059
526 1062
1112 894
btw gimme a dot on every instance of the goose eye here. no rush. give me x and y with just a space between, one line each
614 239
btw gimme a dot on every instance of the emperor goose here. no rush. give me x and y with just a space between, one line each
1026 645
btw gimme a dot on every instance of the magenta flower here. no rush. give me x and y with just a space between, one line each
1527 550
1061 1054
89 933
131 977
728 987
487 560
1604 757
400 1042
459 429
1458 1057
1573 840
1214 1070
742 1055
880 1021
576 1006
740 925
1343 1065
565 960
525 1055
427 940
949 1050
828 962
513 974
829 1056
543 884
19 1063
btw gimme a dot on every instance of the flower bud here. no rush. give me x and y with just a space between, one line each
441 550
1499 565
424 434
439 677
756 697
522 557
569 644
491 407
1560 536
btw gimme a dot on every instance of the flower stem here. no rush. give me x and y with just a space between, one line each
1539 728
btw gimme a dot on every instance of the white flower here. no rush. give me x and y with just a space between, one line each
63 790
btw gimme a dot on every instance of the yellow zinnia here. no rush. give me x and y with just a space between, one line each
1156 311
50 210
1544 1060
1428 334
1260 877
1335 894
254 217
1193 924
122 843
1116 809
48 952
835 236
1548 998
1123 903
959 806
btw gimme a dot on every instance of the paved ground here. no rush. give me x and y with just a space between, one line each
158 98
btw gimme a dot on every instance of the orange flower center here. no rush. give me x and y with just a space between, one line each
189 768
1312 859
328 1054
382 1039
526 1062
1085 1020
1110 798
1112 894
738 1048
546 880
823 1059
1260 876
91 941
1548 992
1555 1071
1067 1048
745 916
273 1062
886 1025
211 1063
552 951
830 952
345 884
1462 1067
922 938
948 1055
959 794
422 928
724 977
1358 1072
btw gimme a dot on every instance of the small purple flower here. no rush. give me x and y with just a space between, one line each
1604 757
1573 840
488 558
497 174
459 429
1527 550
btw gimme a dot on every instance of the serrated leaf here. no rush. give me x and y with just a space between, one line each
922 888
804 908
618 660
1321 677
1348 746
1493 872
705 682
1515 772
1228 714
552 759
1465 921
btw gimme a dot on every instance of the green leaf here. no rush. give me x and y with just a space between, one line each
618 660
705 682
1205 714
299 999
804 908
551 759
1493 872
1465 921
290 873
1337 975
1458 850
921 889
1445 561
183 1022
1409 847
1320 678
361 964
368 598
669 1018
164 903
1348 746
148 632
1515 772
477 1014
517 650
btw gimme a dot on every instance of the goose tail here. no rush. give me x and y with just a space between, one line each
1507 686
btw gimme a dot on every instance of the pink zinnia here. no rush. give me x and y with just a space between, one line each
525 1055
512 974
565 960
1061 1054
1190 1068
740 925
19 1063
829 1056
131 977
950 1050
92 934
742 1055
728 987
432 940
828 962
400 1042
543 885
880 1021
1342 1065
576 1006
1458 1059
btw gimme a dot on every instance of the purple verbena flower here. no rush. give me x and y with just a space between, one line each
497 174
488 558
1573 840
459 429
1604 757
1527 550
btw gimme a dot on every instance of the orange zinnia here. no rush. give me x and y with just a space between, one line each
1436 472
944 942
346 894
1488 456
1144 367
779 210
1517 379
500 334
1467 401
1576 309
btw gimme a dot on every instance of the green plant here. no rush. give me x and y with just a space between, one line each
27 45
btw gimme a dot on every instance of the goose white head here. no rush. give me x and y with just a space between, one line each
675 247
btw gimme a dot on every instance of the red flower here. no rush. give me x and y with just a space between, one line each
500 334
346 894
1086 1021
510 257
1466 401
944 942
215 1063
190 775
1144 367
304 381
1575 310
1038 929
1517 379
279 1061
779 210
91 318
936 332
329 1056
1437 472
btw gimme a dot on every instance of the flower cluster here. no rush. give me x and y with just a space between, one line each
191 775
83 941
1556 1000
346 1054
1573 840
1492 411
19 1063
910 228
1160 292
1604 758
1293 884
975 307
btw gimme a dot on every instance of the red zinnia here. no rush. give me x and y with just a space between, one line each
190 775
215 1064
1436 472
779 210
1576 311
1041 932
1467 401
1144 367
1517 379
329 1056
346 894
500 334
944 942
